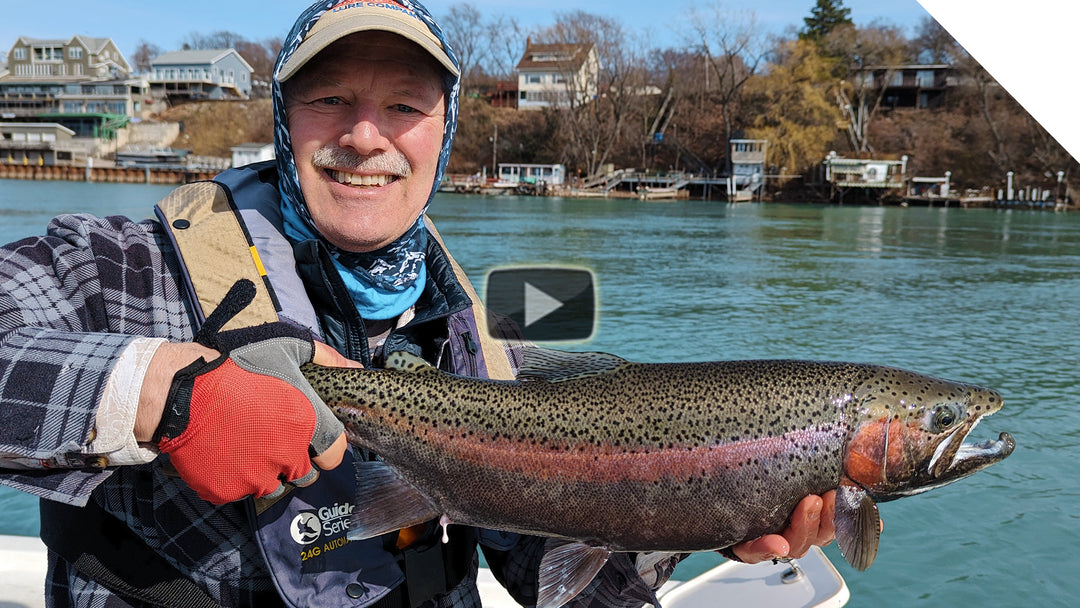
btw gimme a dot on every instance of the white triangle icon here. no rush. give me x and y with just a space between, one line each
538 304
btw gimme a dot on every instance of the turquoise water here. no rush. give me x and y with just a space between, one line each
983 296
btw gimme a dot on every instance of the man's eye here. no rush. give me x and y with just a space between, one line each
404 108
329 101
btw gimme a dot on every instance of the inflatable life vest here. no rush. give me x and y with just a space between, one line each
303 535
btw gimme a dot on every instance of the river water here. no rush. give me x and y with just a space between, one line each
984 296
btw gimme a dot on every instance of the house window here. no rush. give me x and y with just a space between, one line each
533 79
49 53
897 79
558 78
19 53
924 78
75 52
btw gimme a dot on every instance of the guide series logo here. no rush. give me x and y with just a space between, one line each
309 526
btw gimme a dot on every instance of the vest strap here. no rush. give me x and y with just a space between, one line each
208 233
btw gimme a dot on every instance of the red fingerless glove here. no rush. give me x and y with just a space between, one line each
244 423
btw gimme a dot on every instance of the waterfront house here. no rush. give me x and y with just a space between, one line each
867 178
201 74
524 173
910 86
39 143
82 77
748 161
554 75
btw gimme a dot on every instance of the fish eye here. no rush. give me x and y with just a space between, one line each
944 417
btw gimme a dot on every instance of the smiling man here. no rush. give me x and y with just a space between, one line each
366 139
181 464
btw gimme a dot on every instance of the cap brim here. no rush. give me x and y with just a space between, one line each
319 40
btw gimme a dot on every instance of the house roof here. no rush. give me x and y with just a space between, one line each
548 56
94 45
198 56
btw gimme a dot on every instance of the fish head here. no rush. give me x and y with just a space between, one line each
911 434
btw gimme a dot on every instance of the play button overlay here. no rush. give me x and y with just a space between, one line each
548 303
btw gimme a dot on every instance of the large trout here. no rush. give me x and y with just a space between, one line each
628 457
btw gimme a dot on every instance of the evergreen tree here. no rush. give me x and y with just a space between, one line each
826 16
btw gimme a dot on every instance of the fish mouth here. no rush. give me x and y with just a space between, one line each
953 459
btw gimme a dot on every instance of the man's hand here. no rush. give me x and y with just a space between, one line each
811 524
327 356
240 424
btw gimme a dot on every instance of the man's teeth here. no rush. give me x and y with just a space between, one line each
360 180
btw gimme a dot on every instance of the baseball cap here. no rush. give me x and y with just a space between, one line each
350 17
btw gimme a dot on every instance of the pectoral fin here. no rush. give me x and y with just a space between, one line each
858 525
385 502
566 569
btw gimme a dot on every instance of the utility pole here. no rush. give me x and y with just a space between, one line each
494 154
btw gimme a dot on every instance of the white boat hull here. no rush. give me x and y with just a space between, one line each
22 583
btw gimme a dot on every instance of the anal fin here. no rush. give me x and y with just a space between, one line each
385 502
858 525
566 568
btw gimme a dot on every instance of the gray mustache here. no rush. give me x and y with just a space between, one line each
390 163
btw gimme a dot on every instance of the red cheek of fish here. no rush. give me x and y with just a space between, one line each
876 453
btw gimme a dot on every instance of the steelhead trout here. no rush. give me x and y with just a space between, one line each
615 456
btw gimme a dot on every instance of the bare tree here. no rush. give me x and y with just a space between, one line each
467 34
996 121
732 47
934 44
220 39
870 58
144 54
506 44
260 56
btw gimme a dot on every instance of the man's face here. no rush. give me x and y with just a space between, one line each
366 121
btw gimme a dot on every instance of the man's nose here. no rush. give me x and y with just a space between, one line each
365 133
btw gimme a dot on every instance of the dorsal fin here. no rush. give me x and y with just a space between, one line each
407 362
557 365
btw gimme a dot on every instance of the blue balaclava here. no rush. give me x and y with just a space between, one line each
383 283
